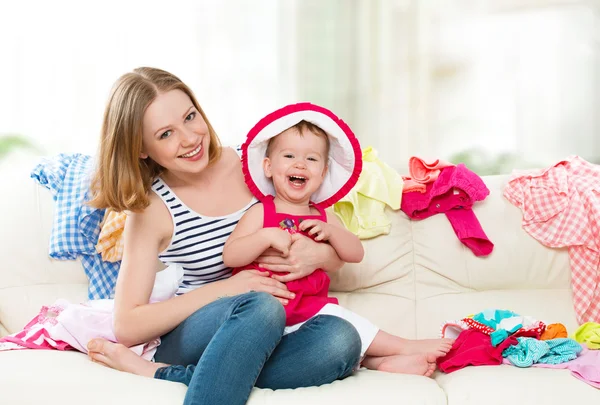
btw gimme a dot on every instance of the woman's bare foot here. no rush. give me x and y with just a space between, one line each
417 364
119 357
438 347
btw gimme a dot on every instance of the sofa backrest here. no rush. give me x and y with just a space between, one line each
410 281
421 275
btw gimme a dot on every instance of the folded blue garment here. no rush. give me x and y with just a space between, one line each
76 225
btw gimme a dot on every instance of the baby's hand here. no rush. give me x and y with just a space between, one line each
321 229
280 240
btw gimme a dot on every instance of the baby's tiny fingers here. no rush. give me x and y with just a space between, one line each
307 223
315 229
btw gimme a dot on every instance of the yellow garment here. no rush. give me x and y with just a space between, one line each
588 333
362 210
110 241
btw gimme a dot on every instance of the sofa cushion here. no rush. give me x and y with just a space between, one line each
28 277
40 376
547 305
384 280
499 385
520 274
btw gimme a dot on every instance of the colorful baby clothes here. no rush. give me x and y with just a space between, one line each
362 210
422 172
561 350
507 323
553 331
36 335
76 225
588 333
451 329
453 193
473 348
529 351
311 291
110 240
561 208
493 317
586 367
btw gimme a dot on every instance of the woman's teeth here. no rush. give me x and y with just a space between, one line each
193 153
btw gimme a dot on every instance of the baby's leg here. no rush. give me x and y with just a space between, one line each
386 344
378 343
394 354
366 330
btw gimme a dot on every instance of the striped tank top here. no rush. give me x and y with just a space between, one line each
198 240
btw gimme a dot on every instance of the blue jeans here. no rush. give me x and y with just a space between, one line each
227 347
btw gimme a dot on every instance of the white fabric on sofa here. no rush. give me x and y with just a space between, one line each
409 283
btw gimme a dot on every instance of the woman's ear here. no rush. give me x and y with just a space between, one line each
267 167
143 155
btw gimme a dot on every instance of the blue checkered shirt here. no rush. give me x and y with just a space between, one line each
76 225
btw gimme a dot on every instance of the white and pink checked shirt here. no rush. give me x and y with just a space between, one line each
561 207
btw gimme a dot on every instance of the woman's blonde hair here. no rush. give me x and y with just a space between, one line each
122 179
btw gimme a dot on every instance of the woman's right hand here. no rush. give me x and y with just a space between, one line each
256 280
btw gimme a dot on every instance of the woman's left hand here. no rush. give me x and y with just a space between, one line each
302 260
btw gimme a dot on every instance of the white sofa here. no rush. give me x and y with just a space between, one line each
410 282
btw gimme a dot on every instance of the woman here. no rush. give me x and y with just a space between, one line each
161 160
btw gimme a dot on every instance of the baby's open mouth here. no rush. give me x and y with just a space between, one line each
297 180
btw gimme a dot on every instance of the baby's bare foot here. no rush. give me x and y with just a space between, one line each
417 364
119 357
438 347
431 366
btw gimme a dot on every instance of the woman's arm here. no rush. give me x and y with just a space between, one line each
249 239
137 321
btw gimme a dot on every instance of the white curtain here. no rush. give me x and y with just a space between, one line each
411 77
60 59
437 78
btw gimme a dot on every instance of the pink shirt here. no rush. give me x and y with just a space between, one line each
561 207
453 193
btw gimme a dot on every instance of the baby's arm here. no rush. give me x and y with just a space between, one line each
347 245
249 239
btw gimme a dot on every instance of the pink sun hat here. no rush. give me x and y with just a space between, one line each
344 161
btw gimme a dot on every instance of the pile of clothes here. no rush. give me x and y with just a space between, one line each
497 336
